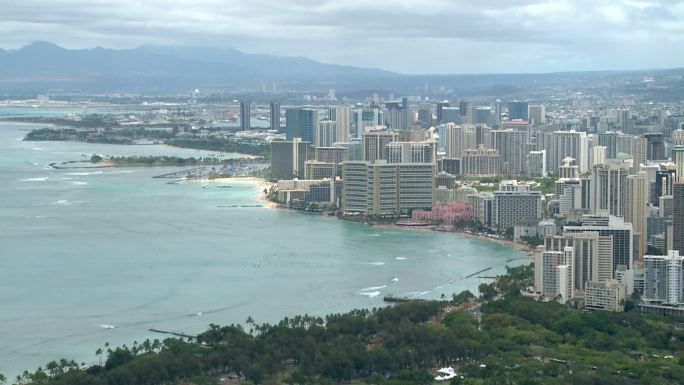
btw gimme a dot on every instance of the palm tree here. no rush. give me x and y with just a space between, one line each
3 379
98 353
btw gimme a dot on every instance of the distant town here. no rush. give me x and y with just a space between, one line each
590 183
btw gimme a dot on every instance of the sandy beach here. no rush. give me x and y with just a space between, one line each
263 184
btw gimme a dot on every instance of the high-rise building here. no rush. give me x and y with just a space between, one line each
335 155
568 169
481 161
341 116
425 114
463 108
300 123
518 110
678 160
608 186
655 149
245 116
481 115
564 144
410 152
275 116
609 141
593 255
498 110
536 163
557 281
664 279
625 121
678 137
610 226
514 204
451 115
325 134
678 216
382 188
664 181
574 197
597 155
374 143
407 119
440 111
512 146
288 158
319 170
459 138
636 209
640 151
536 114
450 165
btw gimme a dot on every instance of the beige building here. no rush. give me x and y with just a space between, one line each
381 188
556 280
608 295
481 161
593 255
459 138
609 187
636 209
374 143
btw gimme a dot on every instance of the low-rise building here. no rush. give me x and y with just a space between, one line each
608 295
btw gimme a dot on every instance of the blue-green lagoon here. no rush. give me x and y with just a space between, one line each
95 256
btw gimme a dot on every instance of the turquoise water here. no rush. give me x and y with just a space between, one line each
84 250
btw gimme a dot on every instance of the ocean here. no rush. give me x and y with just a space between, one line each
95 256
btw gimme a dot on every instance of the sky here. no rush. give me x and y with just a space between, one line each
407 36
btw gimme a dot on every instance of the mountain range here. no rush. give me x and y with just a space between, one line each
42 67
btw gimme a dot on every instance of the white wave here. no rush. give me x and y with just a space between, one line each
371 294
401 258
375 263
62 202
199 314
84 173
36 148
79 183
107 326
375 235
373 288
422 293
43 179
122 172
395 279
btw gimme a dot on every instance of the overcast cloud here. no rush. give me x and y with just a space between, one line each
409 36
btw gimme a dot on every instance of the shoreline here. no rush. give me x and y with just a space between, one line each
529 251
526 249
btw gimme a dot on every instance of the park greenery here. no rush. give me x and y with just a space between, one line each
511 340
130 135
132 161
214 144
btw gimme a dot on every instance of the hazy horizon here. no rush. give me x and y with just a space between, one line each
408 36
351 65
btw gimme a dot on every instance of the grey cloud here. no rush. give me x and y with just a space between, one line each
414 36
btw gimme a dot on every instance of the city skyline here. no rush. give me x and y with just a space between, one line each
523 36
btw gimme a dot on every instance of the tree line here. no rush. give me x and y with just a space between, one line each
507 339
